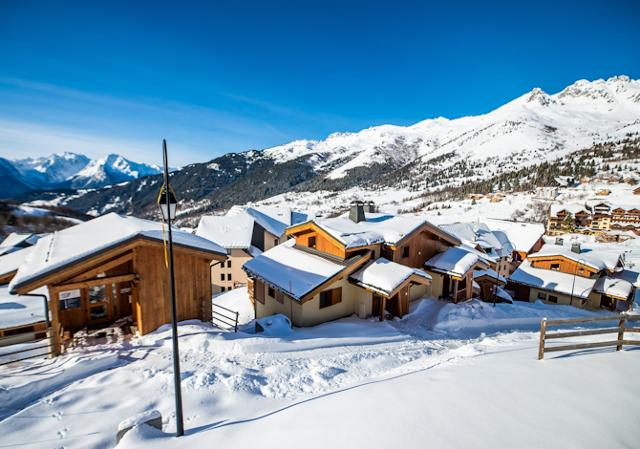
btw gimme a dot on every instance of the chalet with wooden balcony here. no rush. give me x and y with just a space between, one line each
113 267
592 277
365 263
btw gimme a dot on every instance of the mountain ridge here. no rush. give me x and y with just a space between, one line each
431 154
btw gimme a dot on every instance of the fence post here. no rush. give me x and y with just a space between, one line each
236 328
620 333
543 331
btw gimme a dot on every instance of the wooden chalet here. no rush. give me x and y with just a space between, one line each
367 263
114 267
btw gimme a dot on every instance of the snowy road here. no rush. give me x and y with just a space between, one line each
415 379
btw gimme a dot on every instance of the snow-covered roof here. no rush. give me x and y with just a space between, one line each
572 208
12 261
230 232
17 310
521 235
73 244
16 239
490 273
456 261
268 222
478 233
555 281
385 276
292 270
613 286
597 259
376 228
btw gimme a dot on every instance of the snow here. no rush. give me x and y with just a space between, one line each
385 276
377 228
237 300
490 273
12 261
138 419
292 270
18 310
455 260
522 235
84 240
555 281
227 231
613 287
269 223
600 259
277 325
15 241
239 389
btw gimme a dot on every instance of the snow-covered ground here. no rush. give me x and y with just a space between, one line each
444 376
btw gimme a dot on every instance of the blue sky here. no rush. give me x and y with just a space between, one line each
213 77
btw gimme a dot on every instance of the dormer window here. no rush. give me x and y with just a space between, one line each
405 252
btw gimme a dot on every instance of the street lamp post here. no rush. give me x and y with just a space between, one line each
168 204
573 284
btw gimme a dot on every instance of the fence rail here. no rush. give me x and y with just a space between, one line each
6 357
218 317
619 330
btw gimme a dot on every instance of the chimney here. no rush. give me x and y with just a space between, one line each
371 207
356 213
575 248
559 241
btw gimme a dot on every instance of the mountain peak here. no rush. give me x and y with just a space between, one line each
539 96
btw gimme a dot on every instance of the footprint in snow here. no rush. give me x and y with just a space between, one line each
57 415
63 433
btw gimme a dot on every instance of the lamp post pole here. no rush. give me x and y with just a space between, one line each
172 290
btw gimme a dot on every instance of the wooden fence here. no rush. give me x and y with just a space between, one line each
34 348
620 330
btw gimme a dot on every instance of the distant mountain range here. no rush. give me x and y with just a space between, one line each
429 156
68 171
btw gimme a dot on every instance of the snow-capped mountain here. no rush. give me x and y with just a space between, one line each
53 169
111 169
74 171
536 125
432 155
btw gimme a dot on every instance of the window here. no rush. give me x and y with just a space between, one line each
279 297
69 299
275 242
555 266
228 264
228 276
97 293
271 292
330 297
312 242
553 299
222 276
222 289
542 296
405 252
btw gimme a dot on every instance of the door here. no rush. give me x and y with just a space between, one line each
376 305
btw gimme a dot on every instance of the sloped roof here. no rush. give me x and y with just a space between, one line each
386 276
376 228
292 270
12 261
522 236
555 281
613 286
268 222
228 231
17 310
66 247
456 261
602 259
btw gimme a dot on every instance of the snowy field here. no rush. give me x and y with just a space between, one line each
444 376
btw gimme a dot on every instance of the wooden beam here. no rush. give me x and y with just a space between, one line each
97 281
102 268
382 307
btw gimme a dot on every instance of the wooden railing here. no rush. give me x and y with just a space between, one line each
228 318
35 348
619 330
